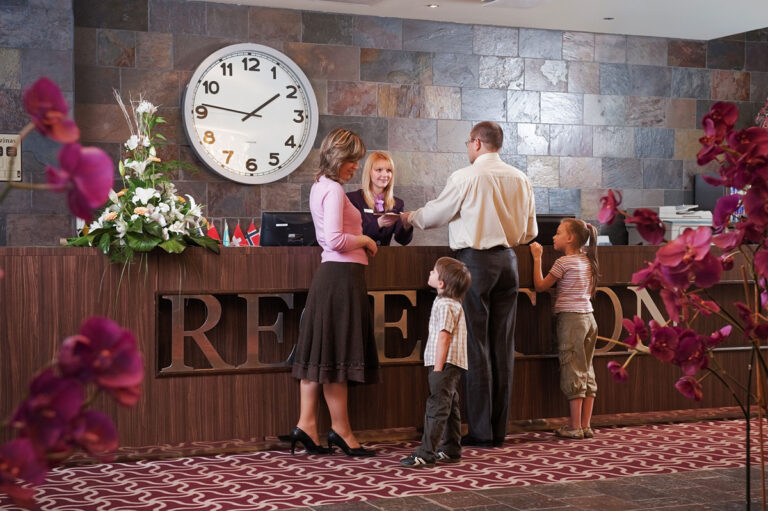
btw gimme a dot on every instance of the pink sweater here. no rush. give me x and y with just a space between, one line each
337 222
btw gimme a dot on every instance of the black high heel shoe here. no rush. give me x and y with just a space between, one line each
297 435
334 438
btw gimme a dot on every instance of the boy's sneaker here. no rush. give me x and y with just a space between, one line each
444 457
414 461
566 432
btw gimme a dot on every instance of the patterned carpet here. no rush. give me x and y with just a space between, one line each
276 480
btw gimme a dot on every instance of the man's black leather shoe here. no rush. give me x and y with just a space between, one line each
470 441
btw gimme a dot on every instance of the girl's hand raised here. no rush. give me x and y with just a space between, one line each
536 250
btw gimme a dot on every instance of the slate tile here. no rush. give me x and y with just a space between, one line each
675 198
451 135
159 87
177 16
681 113
35 230
541 44
730 85
442 102
682 53
576 172
691 83
611 48
56 65
483 104
570 140
756 57
394 66
273 25
327 28
654 142
562 108
541 198
687 144
533 139
725 54
154 50
500 41
615 79
578 46
225 20
190 49
646 111
544 171
117 48
352 98
10 63
508 146
405 504
86 46
327 61
114 14
15 28
650 80
502 73
663 174
280 196
613 142
455 69
758 87
436 36
546 75
620 173
523 106
228 199
647 50
376 32
94 84
565 201
372 130
760 35
584 77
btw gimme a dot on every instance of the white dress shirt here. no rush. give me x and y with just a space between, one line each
485 205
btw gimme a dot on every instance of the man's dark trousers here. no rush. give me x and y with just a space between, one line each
490 307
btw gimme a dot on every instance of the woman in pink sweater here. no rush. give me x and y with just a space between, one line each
336 342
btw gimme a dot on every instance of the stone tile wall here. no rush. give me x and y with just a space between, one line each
581 112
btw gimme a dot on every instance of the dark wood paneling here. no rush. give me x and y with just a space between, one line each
47 292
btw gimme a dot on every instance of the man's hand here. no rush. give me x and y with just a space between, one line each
405 216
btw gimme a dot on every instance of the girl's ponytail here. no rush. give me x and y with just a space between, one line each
592 256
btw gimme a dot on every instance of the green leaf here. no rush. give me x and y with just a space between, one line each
136 225
82 241
104 243
141 242
160 136
173 246
205 242
154 229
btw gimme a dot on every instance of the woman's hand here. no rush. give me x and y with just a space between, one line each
387 220
536 250
369 245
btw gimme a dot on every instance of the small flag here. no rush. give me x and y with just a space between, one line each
252 236
238 240
213 233
225 238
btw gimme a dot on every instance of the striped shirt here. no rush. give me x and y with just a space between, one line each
448 315
574 274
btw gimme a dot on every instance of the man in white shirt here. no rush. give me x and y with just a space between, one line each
489 208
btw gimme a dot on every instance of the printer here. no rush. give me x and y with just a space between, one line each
676 220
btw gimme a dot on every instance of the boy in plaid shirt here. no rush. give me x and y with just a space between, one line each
446 357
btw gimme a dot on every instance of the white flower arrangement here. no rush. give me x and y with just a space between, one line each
148 212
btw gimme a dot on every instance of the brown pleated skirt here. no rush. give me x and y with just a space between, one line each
336 340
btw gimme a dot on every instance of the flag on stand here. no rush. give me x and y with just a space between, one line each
225 238
238 240
213 233
252 236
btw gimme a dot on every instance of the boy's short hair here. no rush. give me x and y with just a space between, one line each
454 275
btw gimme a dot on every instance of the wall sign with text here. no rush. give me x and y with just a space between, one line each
10 157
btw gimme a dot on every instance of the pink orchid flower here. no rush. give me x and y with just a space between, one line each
48 111
610 203
648 224
690 388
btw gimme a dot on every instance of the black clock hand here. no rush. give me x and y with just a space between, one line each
253 113
228 109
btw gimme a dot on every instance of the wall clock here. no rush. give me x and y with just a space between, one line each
250 114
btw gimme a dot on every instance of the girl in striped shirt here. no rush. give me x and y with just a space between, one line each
576 276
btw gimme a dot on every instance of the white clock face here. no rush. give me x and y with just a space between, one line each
250 113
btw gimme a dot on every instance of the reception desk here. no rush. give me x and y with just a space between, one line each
217 334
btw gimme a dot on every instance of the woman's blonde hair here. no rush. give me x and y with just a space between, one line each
339 146
389 196
584 232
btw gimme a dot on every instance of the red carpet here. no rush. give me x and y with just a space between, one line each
277 480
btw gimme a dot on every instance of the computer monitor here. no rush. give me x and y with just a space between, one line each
704 194
548 227
287 228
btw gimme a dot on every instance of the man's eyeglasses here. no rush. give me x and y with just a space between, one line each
469 141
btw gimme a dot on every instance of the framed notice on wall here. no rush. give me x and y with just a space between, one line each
10 157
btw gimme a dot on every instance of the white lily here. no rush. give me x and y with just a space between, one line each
132 143
143 195
121 226
145 107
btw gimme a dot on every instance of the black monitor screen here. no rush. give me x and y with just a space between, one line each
287 228
705 195
548 227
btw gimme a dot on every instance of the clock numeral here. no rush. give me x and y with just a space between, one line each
251 165
208 137
290 142
274 159
274 72
255 63
226 68
229 155
293 90
211 87
299 116
201 111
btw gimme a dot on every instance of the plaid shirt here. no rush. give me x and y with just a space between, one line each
448 315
